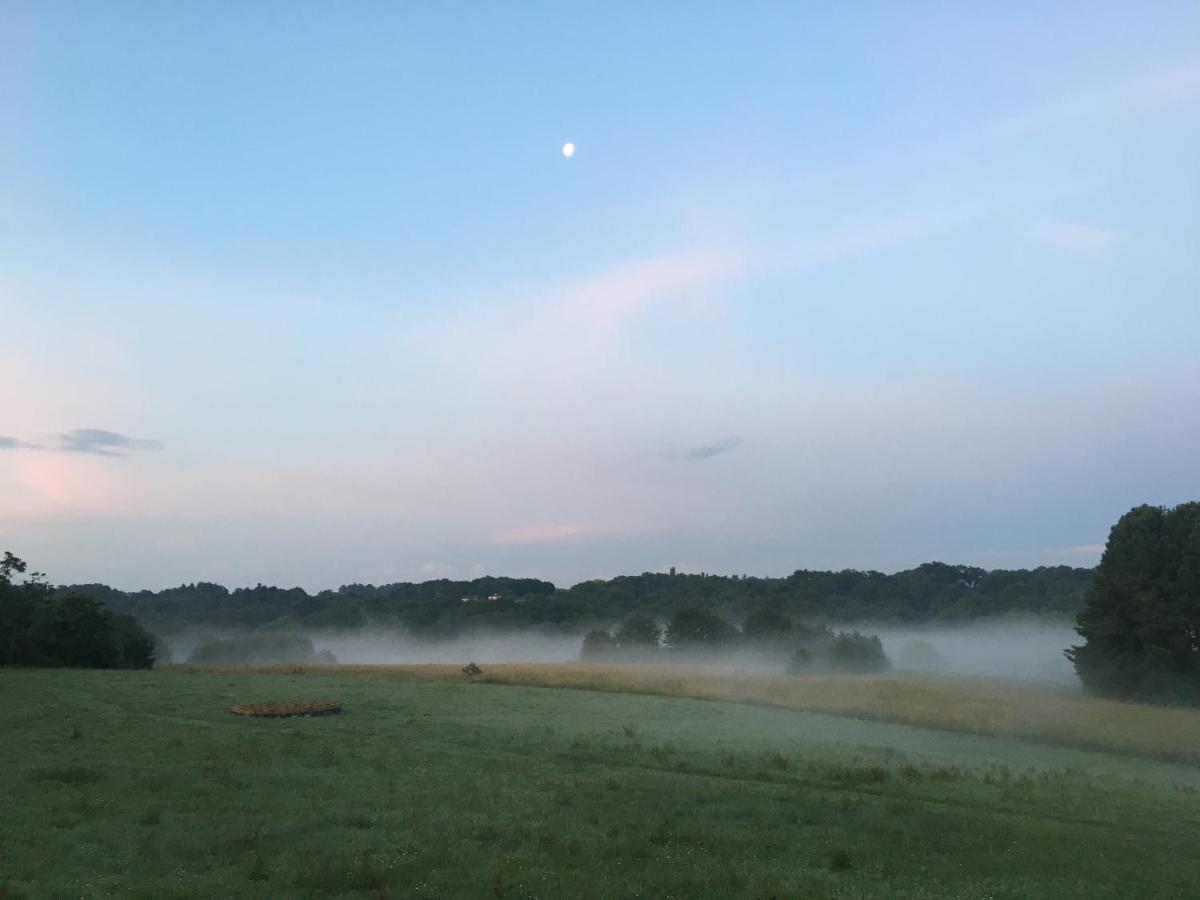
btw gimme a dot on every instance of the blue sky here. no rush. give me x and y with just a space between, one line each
309 295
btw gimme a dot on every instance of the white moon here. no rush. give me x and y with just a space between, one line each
568 149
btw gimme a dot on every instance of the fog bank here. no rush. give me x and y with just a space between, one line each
1023 649
1016 649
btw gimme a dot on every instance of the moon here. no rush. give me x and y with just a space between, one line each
568 149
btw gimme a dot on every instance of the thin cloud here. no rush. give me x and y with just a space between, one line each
580 327
708 451
871 237
1179 83
103 443
12 443
1072 236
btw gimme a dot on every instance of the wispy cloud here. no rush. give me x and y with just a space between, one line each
12 443
103 443
1178 83
1072 236
872 236
708 451
580 325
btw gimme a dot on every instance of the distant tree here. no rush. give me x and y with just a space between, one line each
597 645
766 624
854 652
16 612
698 628
8 565
1141 618
801 661
921 656
639 632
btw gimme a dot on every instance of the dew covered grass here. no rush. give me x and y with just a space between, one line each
142 784
1045 712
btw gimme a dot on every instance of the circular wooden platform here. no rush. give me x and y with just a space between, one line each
286 708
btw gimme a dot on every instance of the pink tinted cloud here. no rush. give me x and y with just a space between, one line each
575 331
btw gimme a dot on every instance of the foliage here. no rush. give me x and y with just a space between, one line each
598 645
698 629
854 652
639 632
1141 621
767 608
39 627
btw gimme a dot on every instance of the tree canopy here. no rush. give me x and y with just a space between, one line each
1141 618
933 592
40 627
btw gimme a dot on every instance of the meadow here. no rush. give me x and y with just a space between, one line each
429 784
1042 711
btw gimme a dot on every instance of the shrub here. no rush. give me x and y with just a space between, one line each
854 652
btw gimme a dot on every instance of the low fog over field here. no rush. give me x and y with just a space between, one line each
1022 649
1028 649
486 647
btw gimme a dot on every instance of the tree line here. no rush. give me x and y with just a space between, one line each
933 592
1138 613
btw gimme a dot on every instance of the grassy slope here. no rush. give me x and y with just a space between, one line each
142 784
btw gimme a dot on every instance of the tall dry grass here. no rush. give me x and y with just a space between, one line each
1047 713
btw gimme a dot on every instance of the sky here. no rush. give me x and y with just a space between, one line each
308 294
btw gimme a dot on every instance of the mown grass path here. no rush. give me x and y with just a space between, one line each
142 784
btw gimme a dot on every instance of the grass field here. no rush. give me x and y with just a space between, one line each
1048 713
142 784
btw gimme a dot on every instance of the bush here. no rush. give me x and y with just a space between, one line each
597 645
824 651
854 652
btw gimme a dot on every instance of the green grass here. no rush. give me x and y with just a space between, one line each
142 784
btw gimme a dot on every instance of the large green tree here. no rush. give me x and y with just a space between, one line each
40 628
1141 618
